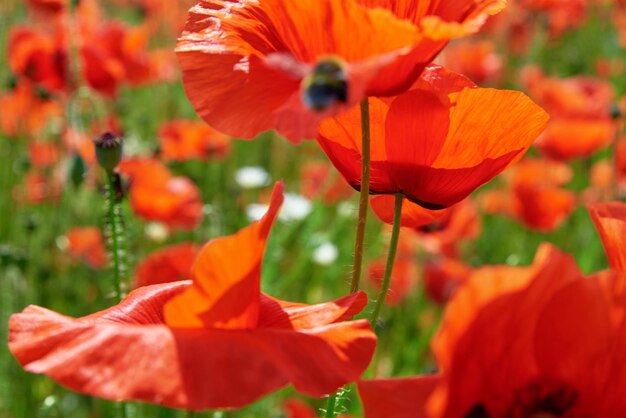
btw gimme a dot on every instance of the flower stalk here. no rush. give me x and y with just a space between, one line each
391 256
364 196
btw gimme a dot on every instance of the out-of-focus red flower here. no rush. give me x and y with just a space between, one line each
477 60
155 194
580 111
440 231
610 221
52 7
246 70
534 194
316 181
442 276
520 342
295 408
24 112
38 187
86 244
39 57
186 139
169 264
215 342
43 154
601 182
436 143
110 52
562 14
405 273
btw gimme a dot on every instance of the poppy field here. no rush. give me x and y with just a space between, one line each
313 208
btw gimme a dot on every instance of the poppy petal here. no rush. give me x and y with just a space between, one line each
494 122
184 368
610 221
226 275
413 215
398 398
280 314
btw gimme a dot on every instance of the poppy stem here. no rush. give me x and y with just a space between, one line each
391 256
114 234
364 196
330 406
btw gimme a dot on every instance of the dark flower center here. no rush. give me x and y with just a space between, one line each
542 398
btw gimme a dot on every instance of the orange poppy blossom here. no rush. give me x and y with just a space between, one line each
442 276
405 273
580 111
521 342
43 154
561 15
39 186
477 59
215 342
610 222
169 264
182 140
25 112
534 194
295 408
437 142
316 181
86 244
110 52
439 231
250 66
157 195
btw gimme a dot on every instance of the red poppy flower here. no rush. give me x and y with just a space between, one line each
250 66
579 108
561 15
217 342
157 195
186 139
169 264
53 7
110 53
534 194
610 221
295 408
440 231
521 342
437 142
443 276
43 154
316 180
405 272
86 243
38 187
477 60
24 112
38 56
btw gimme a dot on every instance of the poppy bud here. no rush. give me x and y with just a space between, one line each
325 85
108 150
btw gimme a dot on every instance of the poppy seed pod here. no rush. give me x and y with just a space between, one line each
108 150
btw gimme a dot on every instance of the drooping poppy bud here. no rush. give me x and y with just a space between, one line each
108 150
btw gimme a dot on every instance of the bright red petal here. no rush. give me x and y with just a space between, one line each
397 398
226 274
126 353
280 314
610 221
